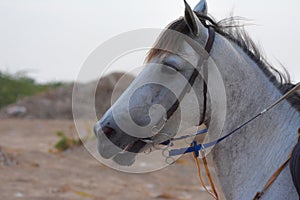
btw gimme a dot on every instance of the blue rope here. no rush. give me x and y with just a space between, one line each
197 147
201 132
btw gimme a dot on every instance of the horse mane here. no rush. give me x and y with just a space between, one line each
233 30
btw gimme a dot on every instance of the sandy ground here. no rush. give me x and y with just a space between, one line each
34 172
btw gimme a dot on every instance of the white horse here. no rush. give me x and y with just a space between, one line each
243 162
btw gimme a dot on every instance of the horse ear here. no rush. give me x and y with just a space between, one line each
201 7
191 20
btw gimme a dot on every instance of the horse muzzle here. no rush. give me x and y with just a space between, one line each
113 143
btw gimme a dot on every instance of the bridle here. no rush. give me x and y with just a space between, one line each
198 147
173 108
194 147
191 81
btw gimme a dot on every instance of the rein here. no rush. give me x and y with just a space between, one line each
198 147
195 148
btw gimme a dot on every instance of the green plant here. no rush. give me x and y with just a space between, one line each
65 142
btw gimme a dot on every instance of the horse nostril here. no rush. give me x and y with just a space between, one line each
109 133
107 130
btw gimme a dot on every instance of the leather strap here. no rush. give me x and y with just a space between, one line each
213 192
271 180
275 175
208 47
209 177
211 39
173 108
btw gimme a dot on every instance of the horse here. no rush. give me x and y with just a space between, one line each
243 162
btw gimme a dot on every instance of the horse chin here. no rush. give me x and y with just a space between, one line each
119 156
122 152
106 148
125 158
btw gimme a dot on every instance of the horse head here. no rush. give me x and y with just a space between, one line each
152 107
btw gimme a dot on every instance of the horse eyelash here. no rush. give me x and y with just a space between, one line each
171 66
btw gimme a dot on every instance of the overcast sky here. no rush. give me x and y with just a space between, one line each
51 39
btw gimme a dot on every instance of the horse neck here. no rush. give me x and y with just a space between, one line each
246 160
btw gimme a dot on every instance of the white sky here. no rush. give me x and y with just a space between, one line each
52 38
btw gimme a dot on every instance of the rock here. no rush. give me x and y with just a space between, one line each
5 159
16 110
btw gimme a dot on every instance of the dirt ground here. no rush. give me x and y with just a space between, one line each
30 170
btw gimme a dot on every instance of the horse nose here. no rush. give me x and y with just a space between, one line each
103 128
107 135
97 128
107 130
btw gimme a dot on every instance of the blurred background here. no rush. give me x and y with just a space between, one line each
43 45
50 40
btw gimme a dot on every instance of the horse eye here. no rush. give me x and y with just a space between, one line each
169 67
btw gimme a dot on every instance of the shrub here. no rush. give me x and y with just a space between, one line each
65 142
14 87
